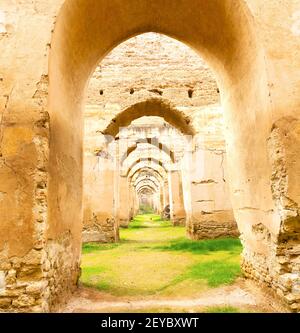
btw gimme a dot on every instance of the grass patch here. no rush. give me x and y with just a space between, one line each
91 273
147 217
154 259
233 245
215 272
100 285
148 221
95 247
91 277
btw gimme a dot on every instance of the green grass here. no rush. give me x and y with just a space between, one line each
215 272
154 259
148 221
205 246
94 247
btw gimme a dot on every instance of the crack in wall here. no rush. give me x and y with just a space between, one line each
8 96
222 167
205 181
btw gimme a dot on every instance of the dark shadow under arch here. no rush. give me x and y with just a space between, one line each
151 171
153 167
147 180
146 186
150 159
147 174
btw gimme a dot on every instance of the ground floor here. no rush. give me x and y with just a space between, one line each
155 268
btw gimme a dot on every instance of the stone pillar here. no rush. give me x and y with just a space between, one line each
166 205
178 214
124 202
162 199
212 214
166 193
158 202
135 202
131 203
170 195
99 224
185 166
116 200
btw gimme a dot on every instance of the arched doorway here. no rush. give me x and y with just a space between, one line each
227 40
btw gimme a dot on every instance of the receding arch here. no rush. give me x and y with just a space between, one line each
157 185
149 159
145 170
151 173
151 152
148 186
146 190
223 32
147 182
158 107
140 166
151 141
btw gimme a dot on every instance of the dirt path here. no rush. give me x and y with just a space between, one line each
243 295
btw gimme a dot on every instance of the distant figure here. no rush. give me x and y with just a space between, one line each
166 212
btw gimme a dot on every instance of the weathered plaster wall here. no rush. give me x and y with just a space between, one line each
212 215
255 53
99 222
152 65
124 212
27 269
178 215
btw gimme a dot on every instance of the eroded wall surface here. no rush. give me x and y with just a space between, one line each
99 221
40 247
212 214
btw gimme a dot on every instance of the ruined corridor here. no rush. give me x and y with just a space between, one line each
149 155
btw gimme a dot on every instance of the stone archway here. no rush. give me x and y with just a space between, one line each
149 177
231 35
155 172
49 206
151 170
151 141
157 107
143 160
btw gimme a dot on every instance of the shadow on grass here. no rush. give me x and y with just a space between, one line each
163 224
232 245
214 272
147 217
146 221
94 247
90 278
